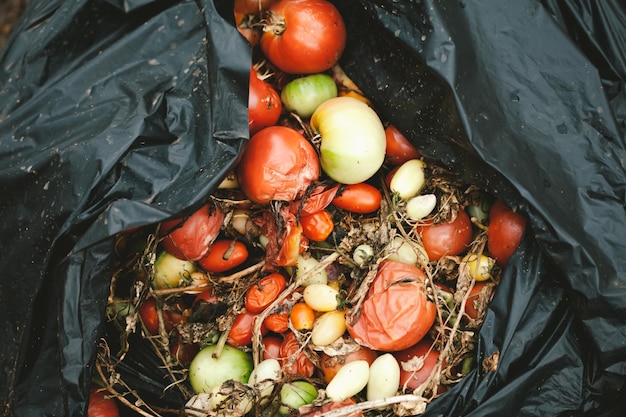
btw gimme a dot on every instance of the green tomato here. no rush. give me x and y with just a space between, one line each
207 372
171 272
294 395
303 95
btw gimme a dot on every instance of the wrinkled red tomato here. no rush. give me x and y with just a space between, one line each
358 198
451 238
224 255
150 319
505 232
189 238
396 312
411 374
294 361
271 347
264 105
184 352
264 292
399 149
331 364
303 36
317 226
277 164
277 322
101 404
242 330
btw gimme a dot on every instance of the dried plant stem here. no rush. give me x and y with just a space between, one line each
371 405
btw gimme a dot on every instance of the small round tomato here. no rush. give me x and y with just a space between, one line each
224 255
271 347
190 237
101 404
277 164
399 149
317 226
451 238
302 316
277 322
242 330
303 36
505 232
331 364
294 361
150 319
264 105
358 198
412 375
264 292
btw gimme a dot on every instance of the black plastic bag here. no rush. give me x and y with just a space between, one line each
116 114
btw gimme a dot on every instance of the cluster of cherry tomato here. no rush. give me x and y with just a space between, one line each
284 262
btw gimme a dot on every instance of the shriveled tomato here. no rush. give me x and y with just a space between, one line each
318 199
334 405
303 36
189 238
277 322
414 372
264 105
150 319
505 232
101 403
451 238
358 198
271 347
277 164
241 331
396 312
294 361
264 292
331 364
224 255
399 149
317 226
302 316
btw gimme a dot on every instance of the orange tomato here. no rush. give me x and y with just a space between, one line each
358 198
317 226
277 322
302 316
264 292
224 255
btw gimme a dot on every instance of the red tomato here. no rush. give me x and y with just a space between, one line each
190 238
206 296
224 255
399 149
304 36
317 200
331 364
302 316
271 347
264 105
264 292
101 404
317 226
411 379
505 232
451 238
470 307
277 164
184 352
330 406
277 322
396 312
294 361
358 198
241 331
150 319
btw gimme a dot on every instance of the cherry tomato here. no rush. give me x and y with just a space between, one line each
399 149
413 377
277 322
264 105
294 361
302 316
264 292
303 36
470 306
277 164
184 352
396 312
451 238
358 198
190 238
317 226
331 364
224 255
150 319
241 332
101 404
271 347
506 228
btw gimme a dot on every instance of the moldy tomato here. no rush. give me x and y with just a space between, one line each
505 232
303 36
451 238
277 164
360 198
